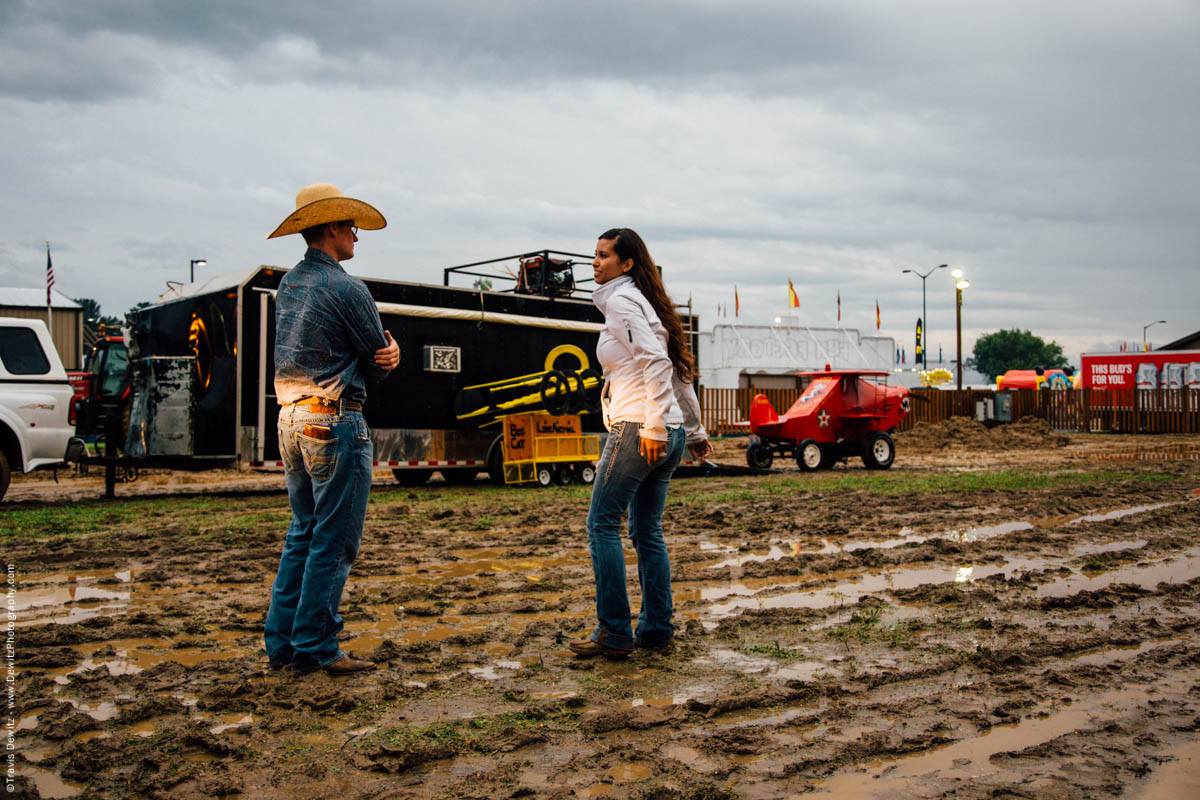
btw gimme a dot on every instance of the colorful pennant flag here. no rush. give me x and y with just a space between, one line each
737 306
877 314
793 298
839 305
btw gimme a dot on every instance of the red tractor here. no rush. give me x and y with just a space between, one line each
840 414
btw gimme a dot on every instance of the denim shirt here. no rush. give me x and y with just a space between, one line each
327 330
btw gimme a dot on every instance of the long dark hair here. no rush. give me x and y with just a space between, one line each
627 244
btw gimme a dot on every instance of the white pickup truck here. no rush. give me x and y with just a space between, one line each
35 400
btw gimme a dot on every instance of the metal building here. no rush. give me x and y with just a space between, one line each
66 319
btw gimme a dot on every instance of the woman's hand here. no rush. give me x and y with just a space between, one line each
700 450
652 450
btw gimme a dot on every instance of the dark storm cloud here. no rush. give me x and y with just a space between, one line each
433 41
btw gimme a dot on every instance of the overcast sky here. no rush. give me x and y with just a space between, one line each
1051 150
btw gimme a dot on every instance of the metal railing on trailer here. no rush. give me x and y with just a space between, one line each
540 272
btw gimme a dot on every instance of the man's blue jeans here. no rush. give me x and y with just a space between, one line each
625 482
328 481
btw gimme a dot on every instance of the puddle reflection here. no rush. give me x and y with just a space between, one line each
1176 569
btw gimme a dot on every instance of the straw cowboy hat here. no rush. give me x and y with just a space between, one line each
324 202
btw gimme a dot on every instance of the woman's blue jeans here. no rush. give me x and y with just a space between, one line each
626 483
328 481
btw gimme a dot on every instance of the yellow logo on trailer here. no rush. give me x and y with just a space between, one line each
554 390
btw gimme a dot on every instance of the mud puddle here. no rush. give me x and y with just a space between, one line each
788 548
1173 570
972 760
850 592
1177 779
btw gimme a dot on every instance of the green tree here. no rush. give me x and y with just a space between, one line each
996 353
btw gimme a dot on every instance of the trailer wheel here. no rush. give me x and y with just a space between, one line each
412 477
564 475
544 476
5 474
759 456
809 455
586 473
878 451
495 462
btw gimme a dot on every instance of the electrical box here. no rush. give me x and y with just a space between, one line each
1004 406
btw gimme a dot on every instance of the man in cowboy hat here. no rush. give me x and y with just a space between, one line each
328 340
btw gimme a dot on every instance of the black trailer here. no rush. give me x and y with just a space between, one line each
202 360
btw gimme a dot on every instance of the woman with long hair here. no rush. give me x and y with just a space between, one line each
652 414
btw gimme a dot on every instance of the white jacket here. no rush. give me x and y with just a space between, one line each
640 384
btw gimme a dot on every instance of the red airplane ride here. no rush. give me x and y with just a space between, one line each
839 415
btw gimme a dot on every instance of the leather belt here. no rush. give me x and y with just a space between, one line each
320 405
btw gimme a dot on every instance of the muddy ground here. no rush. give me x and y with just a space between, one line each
997 616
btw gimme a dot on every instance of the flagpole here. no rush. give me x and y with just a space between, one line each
49 284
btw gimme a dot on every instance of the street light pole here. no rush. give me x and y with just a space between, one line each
960 283
1147 327
924 314
197 262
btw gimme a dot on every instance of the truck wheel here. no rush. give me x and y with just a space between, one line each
878 451
544 476
5 474
759 456
809 455
412 477
586 473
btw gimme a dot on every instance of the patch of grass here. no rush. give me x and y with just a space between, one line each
963 624
860 627
521 720
1101 562
901 635
371 710
598 683
294 750
94 516
475 733
906 483
442 733
775 651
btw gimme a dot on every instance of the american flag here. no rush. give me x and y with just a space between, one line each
49 275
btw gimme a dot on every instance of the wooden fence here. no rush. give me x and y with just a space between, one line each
725 411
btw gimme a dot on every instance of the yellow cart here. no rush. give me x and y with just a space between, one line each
545 449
